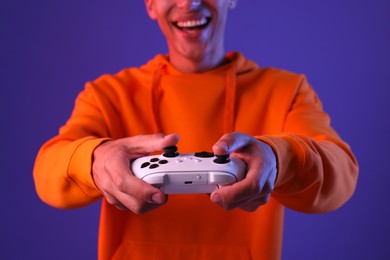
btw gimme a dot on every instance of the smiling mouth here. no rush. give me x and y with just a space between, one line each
195 24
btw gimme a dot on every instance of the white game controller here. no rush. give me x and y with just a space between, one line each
202 172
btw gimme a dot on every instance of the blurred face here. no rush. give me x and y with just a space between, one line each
194 29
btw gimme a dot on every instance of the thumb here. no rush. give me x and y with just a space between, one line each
230 142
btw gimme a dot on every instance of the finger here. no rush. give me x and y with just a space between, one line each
128 184
134 195
256 203
231 142
150 143
124 202
138 206
230 197
139 189
113 201
254 186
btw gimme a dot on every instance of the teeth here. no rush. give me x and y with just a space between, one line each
192 23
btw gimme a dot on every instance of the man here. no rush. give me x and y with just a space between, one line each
271 119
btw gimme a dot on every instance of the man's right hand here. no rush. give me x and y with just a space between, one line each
112 175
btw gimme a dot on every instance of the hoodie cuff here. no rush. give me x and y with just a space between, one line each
286 149
80 167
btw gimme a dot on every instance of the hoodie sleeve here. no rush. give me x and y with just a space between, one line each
317 171
62 170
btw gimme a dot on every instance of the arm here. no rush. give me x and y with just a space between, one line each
315 171
62 170
82 163
314 174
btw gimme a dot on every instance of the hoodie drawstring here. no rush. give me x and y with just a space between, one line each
156 97
230 99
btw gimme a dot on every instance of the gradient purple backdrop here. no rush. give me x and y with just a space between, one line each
49 49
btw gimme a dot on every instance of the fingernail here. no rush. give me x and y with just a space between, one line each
169 135
217 198
158 198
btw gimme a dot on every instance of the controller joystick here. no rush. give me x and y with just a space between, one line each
170 152
222 159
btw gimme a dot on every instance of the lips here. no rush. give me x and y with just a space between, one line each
192 24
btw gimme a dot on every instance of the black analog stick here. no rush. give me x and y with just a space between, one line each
170 152
221 159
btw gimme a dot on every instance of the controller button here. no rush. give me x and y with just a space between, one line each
221 159
154 160
204 154
163 162
145 164
170 152
179 160
153 166
198 160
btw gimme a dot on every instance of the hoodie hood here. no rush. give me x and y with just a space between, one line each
212 93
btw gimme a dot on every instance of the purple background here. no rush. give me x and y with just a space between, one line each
49 49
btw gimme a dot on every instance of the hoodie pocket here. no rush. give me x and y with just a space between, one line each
146 250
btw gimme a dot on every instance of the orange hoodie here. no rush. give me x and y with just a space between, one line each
317 172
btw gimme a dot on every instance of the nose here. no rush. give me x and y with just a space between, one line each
188 4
